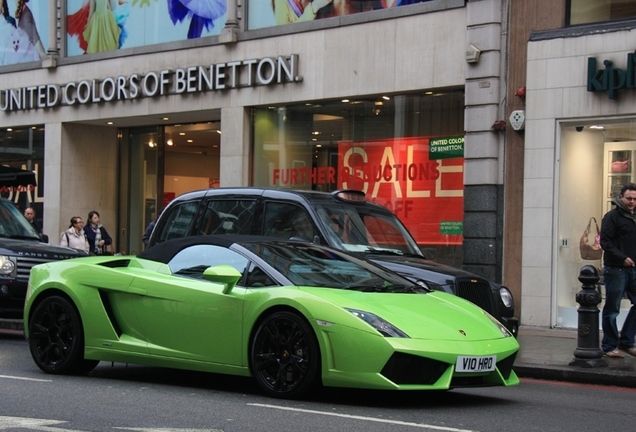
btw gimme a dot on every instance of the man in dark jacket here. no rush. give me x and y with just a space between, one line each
618 240
29 214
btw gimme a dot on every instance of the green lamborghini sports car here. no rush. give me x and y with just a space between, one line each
293 315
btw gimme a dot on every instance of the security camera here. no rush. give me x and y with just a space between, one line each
579 128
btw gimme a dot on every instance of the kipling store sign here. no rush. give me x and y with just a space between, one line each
611 79
194 79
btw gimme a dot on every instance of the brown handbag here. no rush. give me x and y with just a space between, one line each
591 251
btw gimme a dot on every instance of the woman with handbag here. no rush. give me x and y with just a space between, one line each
97 235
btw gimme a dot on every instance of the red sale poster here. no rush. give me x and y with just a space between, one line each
420 179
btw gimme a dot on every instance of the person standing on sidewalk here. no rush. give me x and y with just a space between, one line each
618 241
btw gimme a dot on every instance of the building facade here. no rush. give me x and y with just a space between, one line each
578 144
403 101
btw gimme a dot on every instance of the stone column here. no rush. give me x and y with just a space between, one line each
483 148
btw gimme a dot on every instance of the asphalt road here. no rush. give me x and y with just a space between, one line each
117 398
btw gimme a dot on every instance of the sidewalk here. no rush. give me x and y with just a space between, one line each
546 354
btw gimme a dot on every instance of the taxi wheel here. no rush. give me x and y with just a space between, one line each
284 356
56 338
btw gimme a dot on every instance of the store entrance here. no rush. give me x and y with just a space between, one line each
158 164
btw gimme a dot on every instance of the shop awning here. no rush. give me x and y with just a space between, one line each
15 177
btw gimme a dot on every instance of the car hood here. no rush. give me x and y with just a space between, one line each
36 249
432 316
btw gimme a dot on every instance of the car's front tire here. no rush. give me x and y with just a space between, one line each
56 338
284 355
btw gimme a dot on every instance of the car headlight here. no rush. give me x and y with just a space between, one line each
6 265
506 297
502 328
384 327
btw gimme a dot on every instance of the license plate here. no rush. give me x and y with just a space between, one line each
476 364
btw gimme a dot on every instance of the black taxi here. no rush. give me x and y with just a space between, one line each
341 219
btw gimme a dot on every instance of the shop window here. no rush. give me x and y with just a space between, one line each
404 152
120 24
281 12
23 148
592 11
25 30
596 160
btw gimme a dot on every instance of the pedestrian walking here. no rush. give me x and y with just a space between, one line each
618 240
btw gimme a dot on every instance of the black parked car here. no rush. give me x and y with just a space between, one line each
342 219
20 249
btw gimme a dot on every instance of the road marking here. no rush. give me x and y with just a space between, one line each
44 426
32 424
371 419
25 379
170 430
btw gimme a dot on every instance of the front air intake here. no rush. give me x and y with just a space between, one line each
409 369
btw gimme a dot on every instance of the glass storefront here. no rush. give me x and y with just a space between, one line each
160 163
23 148
597 158
404 151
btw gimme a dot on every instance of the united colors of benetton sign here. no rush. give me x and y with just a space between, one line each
219 76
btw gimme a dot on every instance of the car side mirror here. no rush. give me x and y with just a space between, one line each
44 238
224 274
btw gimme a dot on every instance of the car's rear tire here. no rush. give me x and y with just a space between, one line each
56 338
284 356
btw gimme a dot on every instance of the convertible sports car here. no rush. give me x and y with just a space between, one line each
293 315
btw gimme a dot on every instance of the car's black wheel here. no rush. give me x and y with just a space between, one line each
284 356
56 338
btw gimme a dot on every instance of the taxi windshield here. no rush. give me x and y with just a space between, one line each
354 228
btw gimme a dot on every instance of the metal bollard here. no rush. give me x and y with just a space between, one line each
588 352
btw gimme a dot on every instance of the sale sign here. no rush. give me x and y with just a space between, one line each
420 179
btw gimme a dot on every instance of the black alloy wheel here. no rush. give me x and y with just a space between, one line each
284 356
56 338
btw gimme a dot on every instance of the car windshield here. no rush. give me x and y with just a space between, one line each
13 224
365 229
307 265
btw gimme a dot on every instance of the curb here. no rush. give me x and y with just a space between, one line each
578 375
